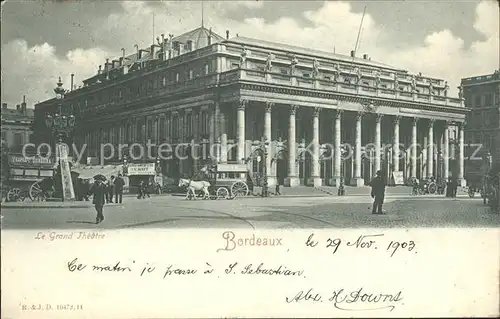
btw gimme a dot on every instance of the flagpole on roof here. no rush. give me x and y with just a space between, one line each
202 14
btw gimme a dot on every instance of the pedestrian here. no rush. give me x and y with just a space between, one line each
277 188
378 193
145 191
453 186
140 194
119 182
111 188
99 192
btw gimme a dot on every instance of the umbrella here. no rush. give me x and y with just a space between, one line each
100 177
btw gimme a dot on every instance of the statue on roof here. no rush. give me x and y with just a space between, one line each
413 83
460 92
446 88
243 58
396 82
357 71
336 71
293 64
377 78
431 88
315 71
269 62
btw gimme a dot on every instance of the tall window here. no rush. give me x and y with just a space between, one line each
204 122
163 81
190 74
177 78
205 69
162 130
150 129
189 124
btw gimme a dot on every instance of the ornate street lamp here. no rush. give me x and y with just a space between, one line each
343 152
263 147
61 127
125 165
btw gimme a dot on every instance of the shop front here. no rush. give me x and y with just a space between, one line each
141 172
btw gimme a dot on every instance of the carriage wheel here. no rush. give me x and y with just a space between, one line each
239 189
13 194
36 192
222 193
432 188
471 192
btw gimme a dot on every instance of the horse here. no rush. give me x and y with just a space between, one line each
193 186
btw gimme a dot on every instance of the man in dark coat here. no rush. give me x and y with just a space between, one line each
119 183
99 198
378 193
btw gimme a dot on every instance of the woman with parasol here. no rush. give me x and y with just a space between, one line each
99 192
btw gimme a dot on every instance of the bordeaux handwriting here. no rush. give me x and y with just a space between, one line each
170 270
231 241
349 300
369 242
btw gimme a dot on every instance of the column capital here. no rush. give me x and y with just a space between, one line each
359 115
461 125
447 124
316 111
415 120
269 106
338 114
431 123
378 117
242 104
397 118
293 109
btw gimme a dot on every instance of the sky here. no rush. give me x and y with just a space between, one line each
42 40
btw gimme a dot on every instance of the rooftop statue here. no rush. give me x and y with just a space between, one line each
293 64
315 68
396 82
413 83
269 62
446 88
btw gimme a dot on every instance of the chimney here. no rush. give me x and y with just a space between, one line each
106 66
18 107
123 53
227 34
153 50
72 78
353 53
189 45
23 105
120 62
100 69
365 56
114 64
4 106
210 37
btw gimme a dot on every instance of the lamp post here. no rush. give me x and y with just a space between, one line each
263 146
125 165
61 127
341 190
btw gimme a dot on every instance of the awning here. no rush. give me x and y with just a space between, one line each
88 172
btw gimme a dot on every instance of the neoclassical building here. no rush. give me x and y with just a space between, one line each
230 94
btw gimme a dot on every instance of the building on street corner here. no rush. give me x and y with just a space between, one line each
227 94
482 130
17 124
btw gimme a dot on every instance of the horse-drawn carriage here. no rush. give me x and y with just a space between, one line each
219 181
426 186
29 177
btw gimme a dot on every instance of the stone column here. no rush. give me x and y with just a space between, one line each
446 152
414 148
395 145
315 169
357 180
378 150
292 179
461 179
223 136
271 180
430 152
337 153
423 162
240 133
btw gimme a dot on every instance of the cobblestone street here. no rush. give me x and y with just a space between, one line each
259 213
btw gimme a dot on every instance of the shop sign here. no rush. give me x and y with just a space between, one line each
141 169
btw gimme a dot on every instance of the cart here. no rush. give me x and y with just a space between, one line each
227 181
29 177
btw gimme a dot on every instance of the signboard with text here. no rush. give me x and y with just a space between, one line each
141 169
31 161
398 178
